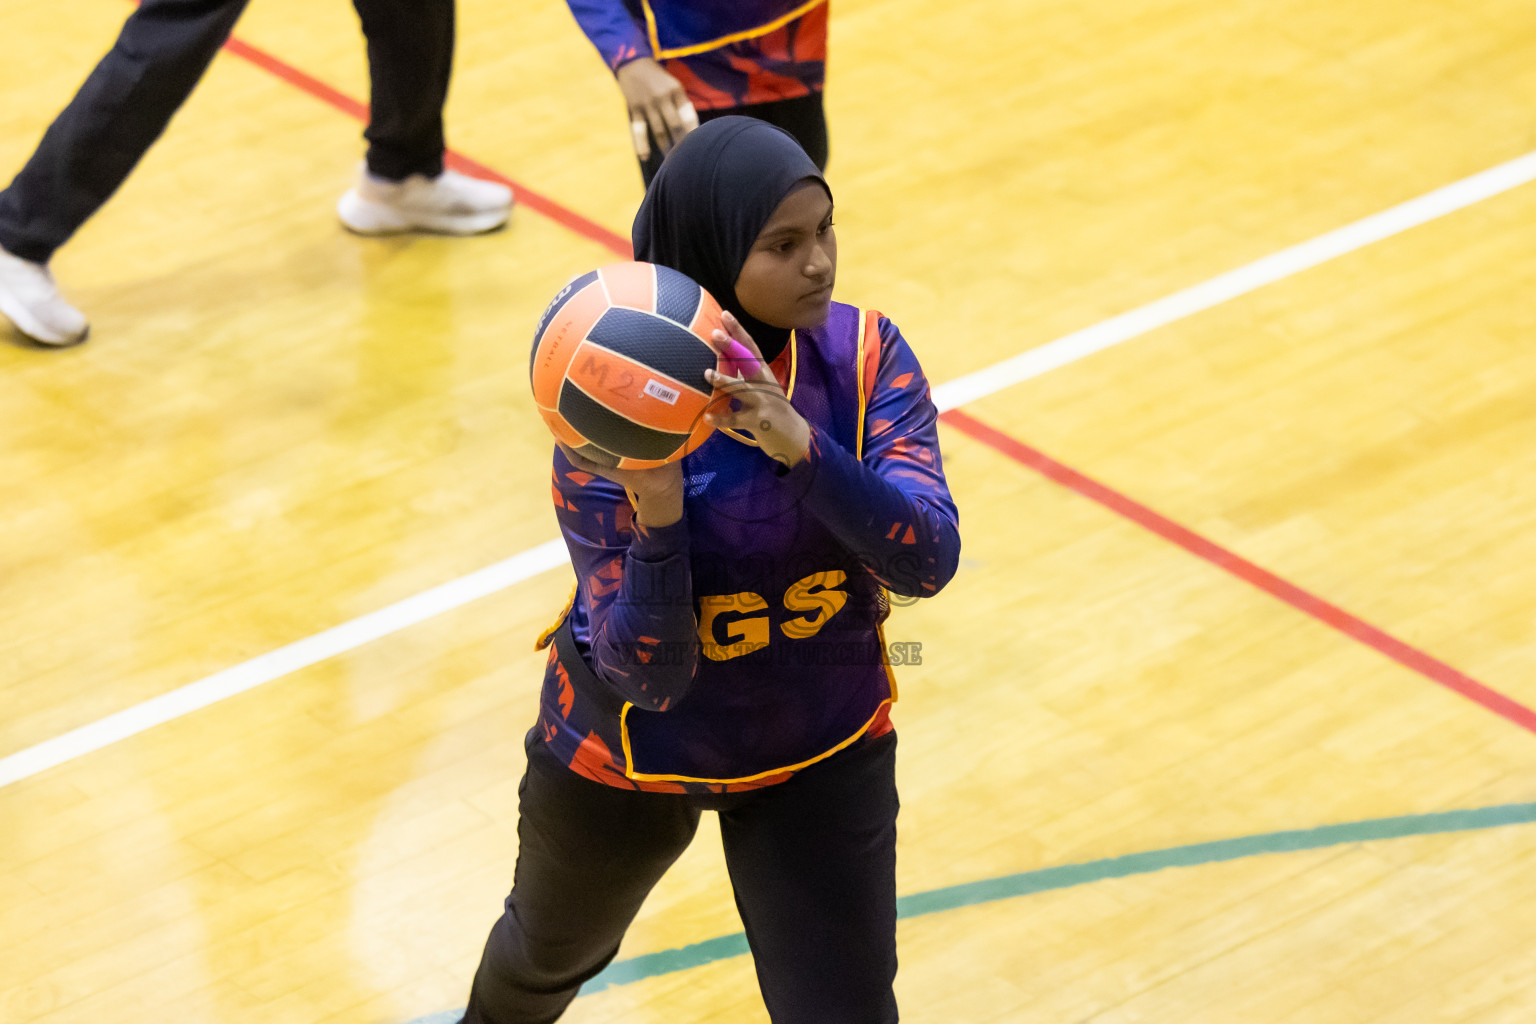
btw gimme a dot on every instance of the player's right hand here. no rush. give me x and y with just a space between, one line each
657 103
656 494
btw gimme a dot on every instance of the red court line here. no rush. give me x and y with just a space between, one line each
1210 551
526 197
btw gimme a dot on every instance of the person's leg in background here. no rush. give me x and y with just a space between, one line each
804 117
160 55
587 856
813 864
403 186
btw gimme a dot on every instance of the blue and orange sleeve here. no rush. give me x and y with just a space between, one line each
633 588
891 505
615 27
788 62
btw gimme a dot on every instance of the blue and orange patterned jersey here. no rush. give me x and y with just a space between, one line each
724 54
745 641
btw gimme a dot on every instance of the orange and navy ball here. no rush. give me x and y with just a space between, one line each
618 364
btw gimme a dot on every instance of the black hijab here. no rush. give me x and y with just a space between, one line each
709 202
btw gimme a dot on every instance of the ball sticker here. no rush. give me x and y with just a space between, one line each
656 389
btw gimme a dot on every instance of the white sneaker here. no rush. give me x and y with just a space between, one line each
30 299
450 204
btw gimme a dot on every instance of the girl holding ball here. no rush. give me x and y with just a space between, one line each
723 649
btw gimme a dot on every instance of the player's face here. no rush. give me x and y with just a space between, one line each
787 278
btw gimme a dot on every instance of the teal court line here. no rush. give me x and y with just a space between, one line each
669 961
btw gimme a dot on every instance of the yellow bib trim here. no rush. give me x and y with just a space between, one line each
629 758
726 40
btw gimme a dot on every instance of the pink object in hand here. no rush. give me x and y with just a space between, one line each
737 360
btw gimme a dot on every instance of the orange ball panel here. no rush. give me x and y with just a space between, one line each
707 320
562 430
561 340
630 284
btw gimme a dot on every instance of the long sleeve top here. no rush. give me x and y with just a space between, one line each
765 557
724 54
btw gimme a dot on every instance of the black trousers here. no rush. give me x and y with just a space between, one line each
159 57
812 862
804 117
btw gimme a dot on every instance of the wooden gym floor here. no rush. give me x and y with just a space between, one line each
1224 719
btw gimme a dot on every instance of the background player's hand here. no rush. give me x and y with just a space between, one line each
656 101
756 402
657 494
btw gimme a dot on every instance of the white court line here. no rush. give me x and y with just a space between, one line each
276 664
1223 287
950 395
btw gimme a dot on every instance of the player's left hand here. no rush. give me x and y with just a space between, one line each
752 399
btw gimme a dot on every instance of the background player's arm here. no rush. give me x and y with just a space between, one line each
634 581
614 27
653 97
